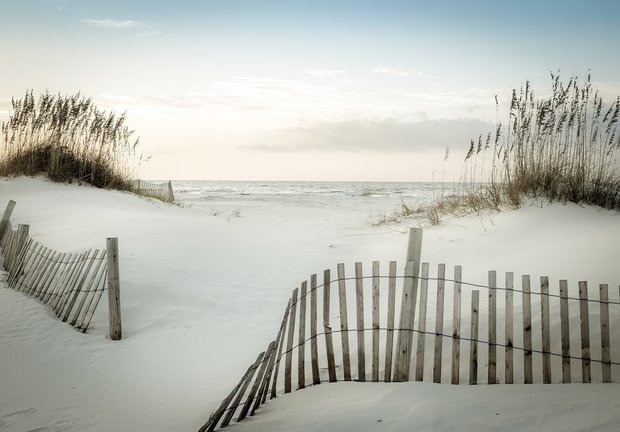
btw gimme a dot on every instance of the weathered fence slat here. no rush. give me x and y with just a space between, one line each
456 327
527 330
231 410
508 329
272 361
41 286
94 301
314 346
419 364
56 275
22 261
21 250
376 285
32 272
211 424
344 322
281 346
264 384
605 347
289 343
36 285
45 282
359 309
8 211
492 358
441 276
389 339
89 290
407 318
473 346
565 331
301 345
259 377
545 329
90 260
68 288
329 343
585 333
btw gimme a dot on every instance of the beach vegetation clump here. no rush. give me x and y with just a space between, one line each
564 147
67 138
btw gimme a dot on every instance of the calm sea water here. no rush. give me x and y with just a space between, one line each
367 195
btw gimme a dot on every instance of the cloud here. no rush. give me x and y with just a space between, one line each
112 24
403 72
376 135
326 73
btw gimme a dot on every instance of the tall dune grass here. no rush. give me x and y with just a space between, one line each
67 138
563 147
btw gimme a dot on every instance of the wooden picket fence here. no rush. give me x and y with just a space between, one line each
340 346
71 284
160 191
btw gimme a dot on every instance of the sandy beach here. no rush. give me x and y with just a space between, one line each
202 294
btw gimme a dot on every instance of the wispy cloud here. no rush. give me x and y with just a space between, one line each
375 135
403 72
112 24
321 73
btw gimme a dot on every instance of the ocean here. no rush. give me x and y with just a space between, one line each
323 194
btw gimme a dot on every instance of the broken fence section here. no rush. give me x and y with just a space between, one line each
71 284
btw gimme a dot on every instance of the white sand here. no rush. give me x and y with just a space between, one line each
202 295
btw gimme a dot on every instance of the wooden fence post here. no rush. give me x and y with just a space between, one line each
545 329
456 327
6 216
314 347
473 345
114 287
585 332
301 346
329 342
565 331
492 359
344 322
170 191
508 329
605 349
407 307
289 343
419 365
527 330
376 285
441 276
359 309
389 338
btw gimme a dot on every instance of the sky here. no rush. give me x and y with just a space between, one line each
304 90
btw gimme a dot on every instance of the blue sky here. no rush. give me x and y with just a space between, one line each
363 90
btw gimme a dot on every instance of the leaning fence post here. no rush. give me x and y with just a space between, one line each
6 216
114 300
408 303
16 263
